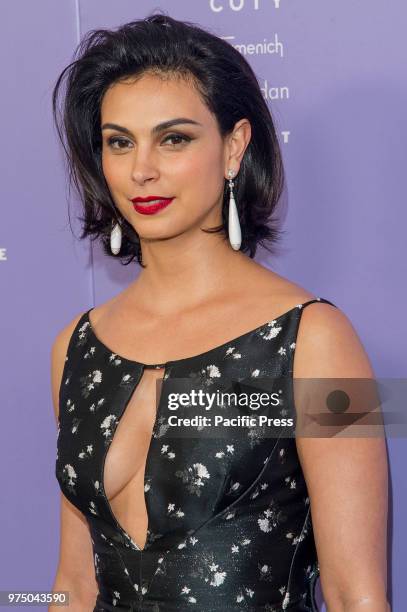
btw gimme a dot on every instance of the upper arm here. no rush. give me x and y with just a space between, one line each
346 476
75 555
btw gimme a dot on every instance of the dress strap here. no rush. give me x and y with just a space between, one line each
318 299
79 335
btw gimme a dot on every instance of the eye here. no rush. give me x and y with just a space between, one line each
116 139
123 142
181 137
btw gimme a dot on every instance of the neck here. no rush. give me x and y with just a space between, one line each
186 271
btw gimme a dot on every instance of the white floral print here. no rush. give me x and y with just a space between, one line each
194 477
229 522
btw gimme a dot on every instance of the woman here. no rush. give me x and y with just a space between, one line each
176 158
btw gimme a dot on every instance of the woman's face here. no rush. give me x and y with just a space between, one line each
187 161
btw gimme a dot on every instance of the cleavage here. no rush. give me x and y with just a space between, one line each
125 462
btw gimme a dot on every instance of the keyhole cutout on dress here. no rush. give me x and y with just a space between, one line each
126 457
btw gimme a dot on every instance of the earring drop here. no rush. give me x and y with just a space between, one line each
115 238
235 232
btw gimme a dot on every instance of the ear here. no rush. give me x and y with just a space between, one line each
238 141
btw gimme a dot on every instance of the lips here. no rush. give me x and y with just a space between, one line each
151 204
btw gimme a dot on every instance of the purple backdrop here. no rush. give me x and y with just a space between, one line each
334 86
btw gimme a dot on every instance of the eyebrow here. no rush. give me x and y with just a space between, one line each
160 127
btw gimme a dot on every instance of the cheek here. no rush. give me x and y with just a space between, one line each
112 171
203 173
208 181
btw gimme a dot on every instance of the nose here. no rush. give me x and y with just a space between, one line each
144 168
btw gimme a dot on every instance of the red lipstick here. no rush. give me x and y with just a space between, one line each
158 203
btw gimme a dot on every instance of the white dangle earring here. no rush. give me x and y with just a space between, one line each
235 232
115 238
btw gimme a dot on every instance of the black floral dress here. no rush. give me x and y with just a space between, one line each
229 517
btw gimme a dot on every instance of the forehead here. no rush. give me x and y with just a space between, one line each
151 96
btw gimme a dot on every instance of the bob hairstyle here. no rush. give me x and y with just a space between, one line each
226 83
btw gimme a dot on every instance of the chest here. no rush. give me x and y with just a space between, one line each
114 423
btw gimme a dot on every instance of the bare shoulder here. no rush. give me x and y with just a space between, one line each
104 310
328 345
276 291
61 342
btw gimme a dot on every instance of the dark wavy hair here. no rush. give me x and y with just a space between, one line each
226 83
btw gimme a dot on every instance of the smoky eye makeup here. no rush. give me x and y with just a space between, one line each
122 143
111 141
180 138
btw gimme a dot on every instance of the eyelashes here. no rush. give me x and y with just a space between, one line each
112 140
182 137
